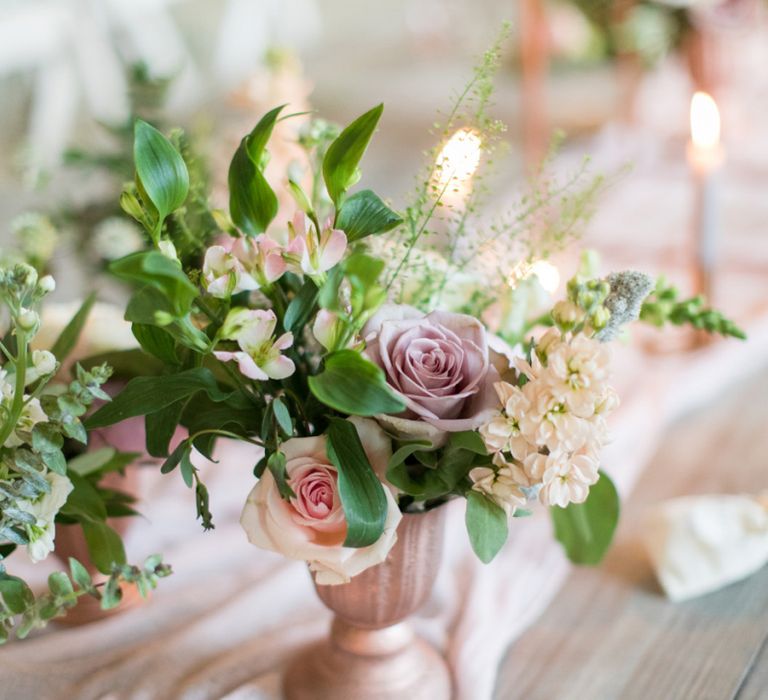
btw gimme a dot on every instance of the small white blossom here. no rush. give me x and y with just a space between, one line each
500 486
41 535
115 237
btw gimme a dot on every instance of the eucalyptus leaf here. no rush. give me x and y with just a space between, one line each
80 574
283 417
586 529
276 466
340 164
487 526
105 547
361 492
351 384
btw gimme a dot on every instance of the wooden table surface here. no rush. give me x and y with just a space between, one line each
610 633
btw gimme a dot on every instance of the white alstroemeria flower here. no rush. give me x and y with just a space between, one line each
41 535
262 258
500 486
311 252
327 329
224 274
259 355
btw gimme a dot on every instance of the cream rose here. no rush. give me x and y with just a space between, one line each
440 363
311 526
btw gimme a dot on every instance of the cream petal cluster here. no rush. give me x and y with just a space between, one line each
313 252
41 534
259 356
311 526
548 432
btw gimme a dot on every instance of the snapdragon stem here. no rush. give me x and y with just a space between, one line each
18 395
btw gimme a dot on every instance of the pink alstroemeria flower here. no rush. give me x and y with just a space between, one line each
262 257
313 253
259 355
224 274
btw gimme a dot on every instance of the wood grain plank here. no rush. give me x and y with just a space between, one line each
610 633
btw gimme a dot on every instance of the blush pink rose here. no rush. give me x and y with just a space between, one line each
440 363
312 526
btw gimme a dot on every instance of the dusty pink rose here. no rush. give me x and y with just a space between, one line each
312 525
440 363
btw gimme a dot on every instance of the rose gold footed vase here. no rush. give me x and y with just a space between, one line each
372 654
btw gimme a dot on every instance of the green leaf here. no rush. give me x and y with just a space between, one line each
59 584
276 466
283 417
67 339
252 202
80 574
6 550
586 529
91 461
328 297
55 461
469 440
487 526
405 451
351 384
104 545
361 492
187 468
112 594
84 502
155 270
433 479
344 154
126 364
301 307
364 214
160 426
160 169
156 342
174 458
144 395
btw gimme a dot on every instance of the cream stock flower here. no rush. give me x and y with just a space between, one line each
502 433
501 485
565 478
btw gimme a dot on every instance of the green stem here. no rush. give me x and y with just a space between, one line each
18 396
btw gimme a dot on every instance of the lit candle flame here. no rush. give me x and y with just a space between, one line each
458 159
705 121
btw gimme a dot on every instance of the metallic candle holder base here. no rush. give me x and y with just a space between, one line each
371 653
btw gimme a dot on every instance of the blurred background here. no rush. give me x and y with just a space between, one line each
614 76
683 194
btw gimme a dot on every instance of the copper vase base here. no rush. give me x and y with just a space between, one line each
368 664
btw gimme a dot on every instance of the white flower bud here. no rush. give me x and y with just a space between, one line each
44 362
28 320
567 314
168 249
47 284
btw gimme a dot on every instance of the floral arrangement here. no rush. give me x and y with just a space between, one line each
335 342
45 479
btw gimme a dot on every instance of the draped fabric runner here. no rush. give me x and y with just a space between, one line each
225 624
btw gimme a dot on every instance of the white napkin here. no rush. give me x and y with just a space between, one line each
699 544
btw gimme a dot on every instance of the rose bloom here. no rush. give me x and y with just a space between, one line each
442 366
311 525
